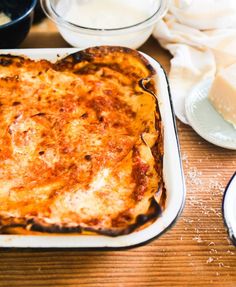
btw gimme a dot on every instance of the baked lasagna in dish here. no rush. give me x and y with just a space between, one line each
81 143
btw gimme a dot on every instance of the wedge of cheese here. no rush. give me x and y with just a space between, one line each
223 93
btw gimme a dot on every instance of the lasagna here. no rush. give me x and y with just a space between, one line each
81 143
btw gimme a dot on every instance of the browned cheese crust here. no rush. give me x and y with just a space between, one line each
80 142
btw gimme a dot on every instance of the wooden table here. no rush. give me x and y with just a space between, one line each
195 252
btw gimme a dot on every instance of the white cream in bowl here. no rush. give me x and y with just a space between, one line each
103 14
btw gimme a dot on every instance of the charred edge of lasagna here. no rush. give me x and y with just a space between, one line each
158 149
91 55
32 225
8 59
154 211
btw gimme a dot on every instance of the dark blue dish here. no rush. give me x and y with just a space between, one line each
21 13
228 208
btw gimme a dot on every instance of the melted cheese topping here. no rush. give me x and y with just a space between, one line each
71 148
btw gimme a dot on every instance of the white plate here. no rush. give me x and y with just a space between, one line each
173 176
206 121
228 208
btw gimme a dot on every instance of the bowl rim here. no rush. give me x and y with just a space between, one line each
56 18
12 22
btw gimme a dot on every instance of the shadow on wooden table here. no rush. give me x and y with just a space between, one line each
75 268
43 40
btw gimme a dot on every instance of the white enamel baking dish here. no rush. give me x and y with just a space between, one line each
173 177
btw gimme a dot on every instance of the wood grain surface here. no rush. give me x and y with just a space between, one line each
195 252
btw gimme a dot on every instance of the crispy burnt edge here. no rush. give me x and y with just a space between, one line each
147 84
91 55
9 59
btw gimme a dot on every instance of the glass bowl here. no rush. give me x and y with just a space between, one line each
84 23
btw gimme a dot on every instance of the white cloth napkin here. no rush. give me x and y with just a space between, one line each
201 36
